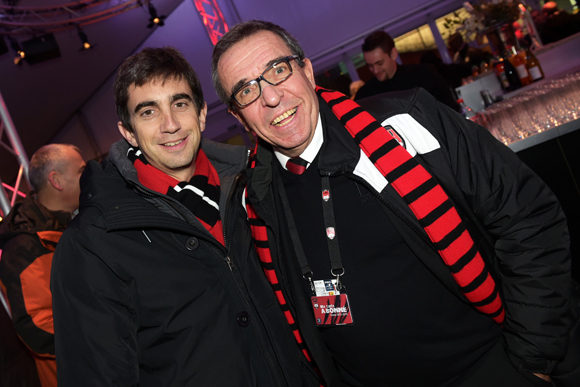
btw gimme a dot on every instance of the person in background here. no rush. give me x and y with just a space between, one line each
463 53
355 87
155 283
380 56
28 237
419 248
453 73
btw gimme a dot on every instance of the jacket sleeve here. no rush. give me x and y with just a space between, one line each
25 270
526 227
95 338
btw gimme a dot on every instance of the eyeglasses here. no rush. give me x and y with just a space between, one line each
274 75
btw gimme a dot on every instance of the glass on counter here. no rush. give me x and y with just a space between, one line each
535 110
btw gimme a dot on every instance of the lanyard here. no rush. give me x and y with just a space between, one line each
329 224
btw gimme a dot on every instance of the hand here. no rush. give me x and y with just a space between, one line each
547 378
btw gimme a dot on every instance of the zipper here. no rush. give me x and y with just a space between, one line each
261 332
227 258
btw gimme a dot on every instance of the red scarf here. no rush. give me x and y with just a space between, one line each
201 195
426 199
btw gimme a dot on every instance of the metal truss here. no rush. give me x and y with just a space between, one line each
212 18
16 149
26 20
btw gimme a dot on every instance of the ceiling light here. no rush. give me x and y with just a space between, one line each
154 19
20 54
86 44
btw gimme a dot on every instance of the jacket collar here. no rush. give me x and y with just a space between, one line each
31 216
114 188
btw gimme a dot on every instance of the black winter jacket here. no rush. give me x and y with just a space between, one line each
144 295
513 217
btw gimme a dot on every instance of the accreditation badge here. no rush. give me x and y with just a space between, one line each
330 306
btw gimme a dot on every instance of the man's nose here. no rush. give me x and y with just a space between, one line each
271 95
171 123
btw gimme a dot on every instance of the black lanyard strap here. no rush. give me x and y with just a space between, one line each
333 249
331 236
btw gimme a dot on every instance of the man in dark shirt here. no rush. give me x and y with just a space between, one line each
381 54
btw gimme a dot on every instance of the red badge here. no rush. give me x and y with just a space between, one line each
396 135
325 195
332 310
330 233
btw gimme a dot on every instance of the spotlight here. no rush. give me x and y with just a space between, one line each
86 44
154 19
20 54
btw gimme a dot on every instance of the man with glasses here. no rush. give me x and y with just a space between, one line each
421 250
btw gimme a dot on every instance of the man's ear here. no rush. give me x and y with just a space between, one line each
394 53
234 112
202 117
127 134
309 71
54 180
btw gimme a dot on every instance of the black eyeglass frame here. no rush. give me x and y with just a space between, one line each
286 59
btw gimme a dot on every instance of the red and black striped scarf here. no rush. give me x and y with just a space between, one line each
201 195
426 199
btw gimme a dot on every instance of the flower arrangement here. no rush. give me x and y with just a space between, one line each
485 15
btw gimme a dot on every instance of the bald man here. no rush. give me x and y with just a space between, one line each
28 237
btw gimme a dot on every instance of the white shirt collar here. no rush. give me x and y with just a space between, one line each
311 150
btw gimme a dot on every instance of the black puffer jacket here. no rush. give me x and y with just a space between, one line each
144 295
514 219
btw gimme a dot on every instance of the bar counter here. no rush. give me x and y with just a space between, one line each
541 123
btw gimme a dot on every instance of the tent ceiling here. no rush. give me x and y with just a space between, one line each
42 98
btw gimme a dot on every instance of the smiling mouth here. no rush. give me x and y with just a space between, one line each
174 143
285 118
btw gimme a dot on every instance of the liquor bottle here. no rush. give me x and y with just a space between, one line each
511 75
502 75
520 65
533 65
466 110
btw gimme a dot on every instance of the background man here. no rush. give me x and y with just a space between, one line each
155 283
28 237
451 255
381 54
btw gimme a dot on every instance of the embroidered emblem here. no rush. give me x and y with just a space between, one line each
396 136
330 233
325 195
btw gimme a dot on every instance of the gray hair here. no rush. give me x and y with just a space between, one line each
237 34
47 159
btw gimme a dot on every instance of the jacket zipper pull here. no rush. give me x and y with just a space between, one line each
230 263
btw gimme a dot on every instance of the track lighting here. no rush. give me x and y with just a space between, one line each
154 19
20 54
86 44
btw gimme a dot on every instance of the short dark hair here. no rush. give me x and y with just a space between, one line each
237 34
47 159
148 65
379 39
